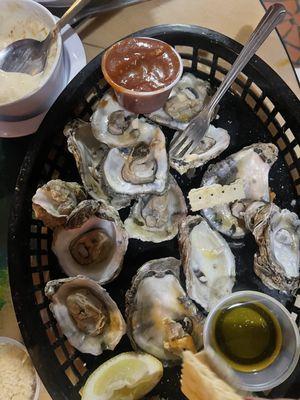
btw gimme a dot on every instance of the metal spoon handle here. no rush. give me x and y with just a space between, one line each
272 17
70 13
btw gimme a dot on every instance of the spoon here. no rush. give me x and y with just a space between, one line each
29 56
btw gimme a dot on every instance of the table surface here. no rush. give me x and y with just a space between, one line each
235 18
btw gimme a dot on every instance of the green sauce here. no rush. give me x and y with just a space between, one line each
248 336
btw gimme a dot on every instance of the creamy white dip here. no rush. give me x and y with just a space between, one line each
14 86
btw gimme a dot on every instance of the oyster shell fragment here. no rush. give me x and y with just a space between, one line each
207 260
277 234
251 164
87 315
162 320
89 155
92 242
185 101
155 218
140 169
113 125
213 143
54 201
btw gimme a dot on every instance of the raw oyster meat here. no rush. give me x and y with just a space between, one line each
155 218
140 169
112 124
92 242
213 143
185 101
54 201
207 260
252 164
89 155
161 319
277 234
87 315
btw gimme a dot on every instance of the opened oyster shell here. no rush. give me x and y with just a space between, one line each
54 201
92 242
156 218
185 101
113 125
213 143
141 169
86 314
251 164
89 155
161 319
207 260
277 234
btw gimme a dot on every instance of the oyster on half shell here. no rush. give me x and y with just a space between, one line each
207 260
113 125
54 201
155 218
277 233
213 143
89 155
92 242
140 169
161 319
87 315
185 101
251 164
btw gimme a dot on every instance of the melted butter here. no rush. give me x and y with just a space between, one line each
247 336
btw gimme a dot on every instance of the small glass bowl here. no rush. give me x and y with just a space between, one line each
286 361
141 102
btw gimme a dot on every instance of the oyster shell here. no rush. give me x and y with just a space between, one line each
277 234
207 260
54 201
141 169
112 124
92 242
86 314
185 101
213 143
155 218
89 155
252 164
161 319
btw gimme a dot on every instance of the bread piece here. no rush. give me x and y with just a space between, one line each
199 382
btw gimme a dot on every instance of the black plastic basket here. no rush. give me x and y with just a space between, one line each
260 107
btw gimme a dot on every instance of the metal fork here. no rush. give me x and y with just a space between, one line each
187 141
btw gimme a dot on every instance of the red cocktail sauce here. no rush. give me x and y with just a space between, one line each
142 64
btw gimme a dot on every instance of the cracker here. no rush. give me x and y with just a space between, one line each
214 195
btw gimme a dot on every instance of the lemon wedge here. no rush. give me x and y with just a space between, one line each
128 376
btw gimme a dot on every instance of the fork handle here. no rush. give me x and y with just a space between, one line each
272 17
70 13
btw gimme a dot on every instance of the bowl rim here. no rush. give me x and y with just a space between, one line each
58 55
16 343
122 89
294 360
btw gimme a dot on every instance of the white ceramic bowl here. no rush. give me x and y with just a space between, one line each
286 361
13 342
41 99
